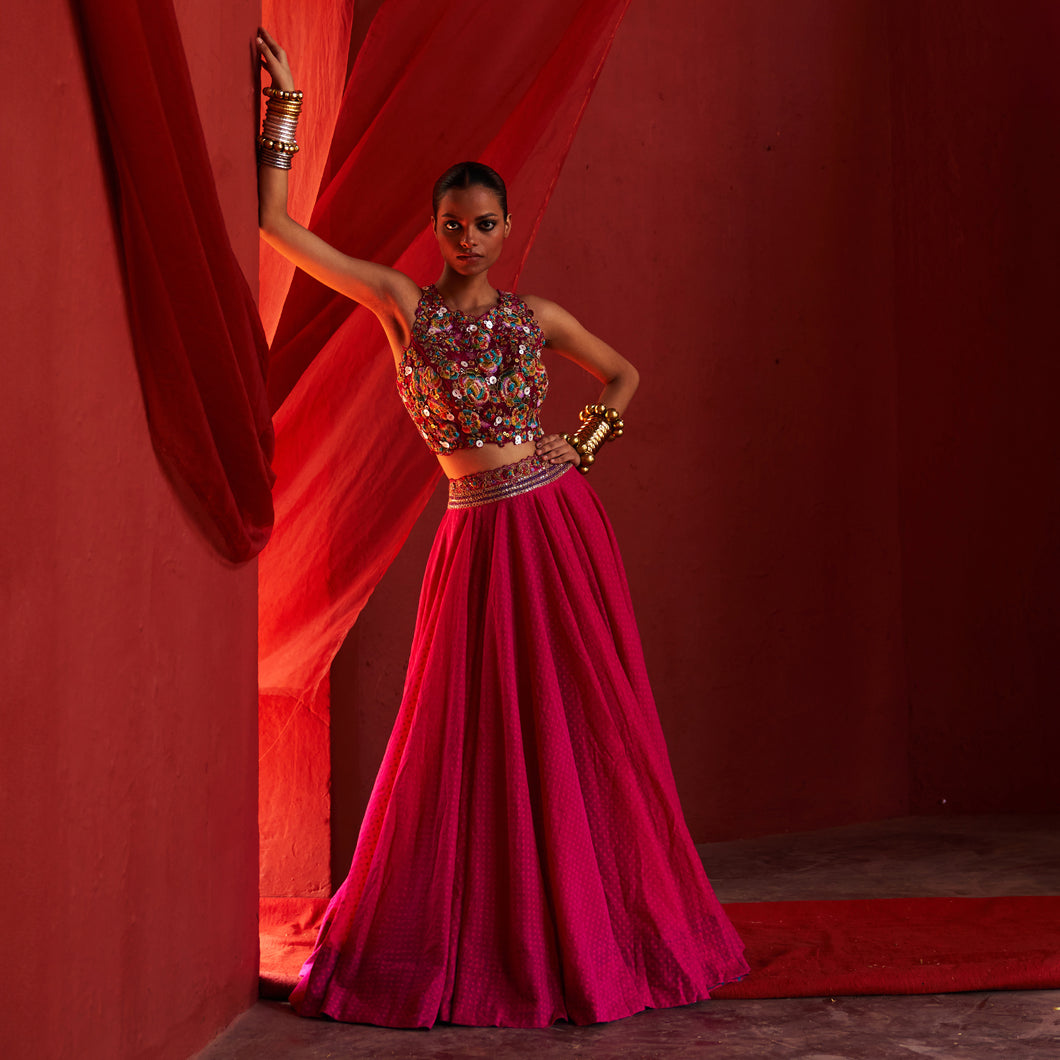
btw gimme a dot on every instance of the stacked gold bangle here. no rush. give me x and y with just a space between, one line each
599 424
277 144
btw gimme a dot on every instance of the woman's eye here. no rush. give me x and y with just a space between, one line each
451 226
488 226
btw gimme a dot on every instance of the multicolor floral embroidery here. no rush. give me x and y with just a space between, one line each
467 380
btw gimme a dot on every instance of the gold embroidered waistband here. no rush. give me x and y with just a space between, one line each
500 483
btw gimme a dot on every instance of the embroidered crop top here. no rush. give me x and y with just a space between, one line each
466 381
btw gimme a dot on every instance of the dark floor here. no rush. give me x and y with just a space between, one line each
968 856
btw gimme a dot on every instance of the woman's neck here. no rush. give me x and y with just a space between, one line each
470 295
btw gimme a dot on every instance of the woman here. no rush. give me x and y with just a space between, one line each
523 858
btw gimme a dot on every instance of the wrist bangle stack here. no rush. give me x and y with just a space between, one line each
277 144
599 424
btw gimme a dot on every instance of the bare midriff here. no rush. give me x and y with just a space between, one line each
482 458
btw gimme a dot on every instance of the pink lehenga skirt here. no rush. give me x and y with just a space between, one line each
523 858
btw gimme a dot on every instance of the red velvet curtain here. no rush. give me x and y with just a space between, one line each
432 84
199 346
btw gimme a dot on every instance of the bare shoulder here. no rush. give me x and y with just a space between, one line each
553 319
567 337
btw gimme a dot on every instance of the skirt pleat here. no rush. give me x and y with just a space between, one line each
523 858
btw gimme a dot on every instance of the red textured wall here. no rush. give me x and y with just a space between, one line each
977 232
725 218
833 496
128 755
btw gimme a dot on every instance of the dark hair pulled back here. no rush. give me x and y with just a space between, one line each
465 175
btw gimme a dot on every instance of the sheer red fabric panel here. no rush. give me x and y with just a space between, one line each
199 345
317 38
432 85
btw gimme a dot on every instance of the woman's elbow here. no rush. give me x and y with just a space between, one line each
269 221
630 378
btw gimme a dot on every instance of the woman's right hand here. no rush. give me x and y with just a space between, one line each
274 59
389 294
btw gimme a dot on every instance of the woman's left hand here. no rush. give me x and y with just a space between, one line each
274 59
557 450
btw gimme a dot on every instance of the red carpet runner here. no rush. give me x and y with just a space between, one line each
897 946
817 949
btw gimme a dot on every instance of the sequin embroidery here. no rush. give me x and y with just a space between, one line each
467 380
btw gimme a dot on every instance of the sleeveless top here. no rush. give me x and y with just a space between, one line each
466 381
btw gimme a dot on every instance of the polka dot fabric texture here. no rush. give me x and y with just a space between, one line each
524 858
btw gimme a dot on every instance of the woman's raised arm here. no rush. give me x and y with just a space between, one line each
388 293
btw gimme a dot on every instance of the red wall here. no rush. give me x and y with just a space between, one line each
833 496
725 219
977 232
128 755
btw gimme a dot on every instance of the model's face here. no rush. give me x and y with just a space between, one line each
470 229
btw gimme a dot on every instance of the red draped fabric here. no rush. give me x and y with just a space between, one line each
320 50
200 349
432 84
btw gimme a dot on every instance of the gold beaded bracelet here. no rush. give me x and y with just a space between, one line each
599 424
278 93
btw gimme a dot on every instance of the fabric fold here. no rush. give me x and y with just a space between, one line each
524 858
199 345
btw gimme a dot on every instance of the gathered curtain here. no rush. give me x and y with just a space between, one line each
197 337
